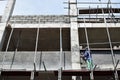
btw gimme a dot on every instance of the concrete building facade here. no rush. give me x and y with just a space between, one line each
35 47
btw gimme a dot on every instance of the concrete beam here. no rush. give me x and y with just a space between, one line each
99 25
8 11
2 32
47 25
5 18
63 25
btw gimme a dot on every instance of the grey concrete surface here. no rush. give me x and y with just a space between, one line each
5 18
24 60
40 19
8 11
74 39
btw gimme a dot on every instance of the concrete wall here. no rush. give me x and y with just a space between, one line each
40 19
24 60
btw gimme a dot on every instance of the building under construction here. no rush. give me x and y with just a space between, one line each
48 47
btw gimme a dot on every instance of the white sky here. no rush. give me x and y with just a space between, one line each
44 7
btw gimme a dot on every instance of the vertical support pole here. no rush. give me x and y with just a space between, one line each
60 74
109 38
45 70
0 74
16 49
86 34
5 18
61 49
44 66
61 55
75 55
89 14
32 75
97 13
36 46
40 60
35 55
64 60
40 53
116 64
3 60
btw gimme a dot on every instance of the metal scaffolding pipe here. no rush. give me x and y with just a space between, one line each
61 49
9 40
61 54
18 42
116 64
44 66
93 3
86 34
109 38
97 3
35 55
100 43
36 45
40 60
8 43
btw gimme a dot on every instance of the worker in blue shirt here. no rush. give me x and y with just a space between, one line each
88 58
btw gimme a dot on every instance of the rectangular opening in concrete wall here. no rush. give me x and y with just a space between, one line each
82 38
21 39
24 39
49 39
12 77
98 37
66 39
115 39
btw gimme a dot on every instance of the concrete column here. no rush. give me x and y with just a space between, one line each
2 34
5 18
74 35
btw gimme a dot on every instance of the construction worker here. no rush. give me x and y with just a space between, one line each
88 58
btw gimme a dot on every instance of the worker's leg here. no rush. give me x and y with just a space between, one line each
91 64
88 64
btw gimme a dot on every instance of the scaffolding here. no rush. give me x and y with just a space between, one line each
110 18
